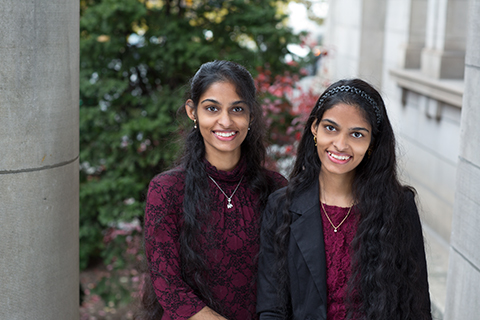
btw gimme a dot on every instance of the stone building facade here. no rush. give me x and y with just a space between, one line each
424 57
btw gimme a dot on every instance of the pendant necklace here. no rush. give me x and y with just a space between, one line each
335 228
229 199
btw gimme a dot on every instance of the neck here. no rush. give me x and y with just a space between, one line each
226 162
336 190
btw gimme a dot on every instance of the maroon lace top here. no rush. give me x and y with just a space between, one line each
337 252
231 259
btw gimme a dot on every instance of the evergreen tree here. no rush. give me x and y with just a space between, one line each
136 59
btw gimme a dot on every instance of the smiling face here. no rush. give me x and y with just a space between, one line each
343 137
223 119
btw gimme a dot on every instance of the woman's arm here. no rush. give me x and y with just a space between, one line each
422 283
162 249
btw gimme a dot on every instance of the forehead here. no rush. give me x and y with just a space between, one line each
220 89
346 114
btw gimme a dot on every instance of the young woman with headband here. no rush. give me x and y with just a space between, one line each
344 239
202 217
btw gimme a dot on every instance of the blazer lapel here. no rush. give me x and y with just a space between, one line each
307 231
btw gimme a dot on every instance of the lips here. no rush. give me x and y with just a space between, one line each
337 158
225 135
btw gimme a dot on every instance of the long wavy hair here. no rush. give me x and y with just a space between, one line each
196 198
382 283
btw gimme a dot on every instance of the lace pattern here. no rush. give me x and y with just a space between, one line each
231 247
337 252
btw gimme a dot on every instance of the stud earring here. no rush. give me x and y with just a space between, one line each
248 128
315 140
195 123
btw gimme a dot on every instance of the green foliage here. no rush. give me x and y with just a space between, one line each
287 106
136 59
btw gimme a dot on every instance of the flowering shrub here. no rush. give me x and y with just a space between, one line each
123 259
286 106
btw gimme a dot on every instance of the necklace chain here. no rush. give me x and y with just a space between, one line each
229 199
335 228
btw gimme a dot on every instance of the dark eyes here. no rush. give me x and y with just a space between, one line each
212 108
330 128
354 134
237 109
215 109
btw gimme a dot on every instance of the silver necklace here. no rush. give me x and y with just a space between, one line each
229 199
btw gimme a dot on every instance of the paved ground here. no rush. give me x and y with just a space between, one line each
437 261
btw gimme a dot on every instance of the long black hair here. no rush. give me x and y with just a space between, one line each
384 272
196 198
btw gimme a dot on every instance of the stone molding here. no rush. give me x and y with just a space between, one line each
449 91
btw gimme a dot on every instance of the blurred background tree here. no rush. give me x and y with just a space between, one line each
136 59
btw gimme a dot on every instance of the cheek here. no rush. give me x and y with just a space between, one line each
362 151
243 122
319 152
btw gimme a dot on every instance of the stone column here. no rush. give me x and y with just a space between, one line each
444 53
463 281
39 72
411 50
372 34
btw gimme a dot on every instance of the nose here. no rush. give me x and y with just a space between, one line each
340 143
225 119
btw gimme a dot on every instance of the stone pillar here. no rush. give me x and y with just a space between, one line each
372 34
444 54
411 50
463 281
39 72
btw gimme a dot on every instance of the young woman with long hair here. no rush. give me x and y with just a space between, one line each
344 239
202 217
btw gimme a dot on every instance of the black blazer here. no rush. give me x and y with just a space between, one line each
307 299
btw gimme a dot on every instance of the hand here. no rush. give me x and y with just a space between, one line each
206 314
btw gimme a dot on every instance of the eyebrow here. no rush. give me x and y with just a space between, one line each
351 129
216 102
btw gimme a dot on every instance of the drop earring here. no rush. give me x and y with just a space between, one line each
315 140
195 123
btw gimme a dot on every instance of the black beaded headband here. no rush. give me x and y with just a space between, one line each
361 93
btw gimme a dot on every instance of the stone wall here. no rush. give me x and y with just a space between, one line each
463 284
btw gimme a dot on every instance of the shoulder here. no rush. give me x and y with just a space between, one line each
410 193
278 195
409 201
166 186
168 178
165 195
410 214
278 180
276 200
272 216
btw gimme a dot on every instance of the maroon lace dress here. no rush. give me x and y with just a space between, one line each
337 252
231 248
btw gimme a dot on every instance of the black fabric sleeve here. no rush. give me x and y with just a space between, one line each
419 253
269 301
